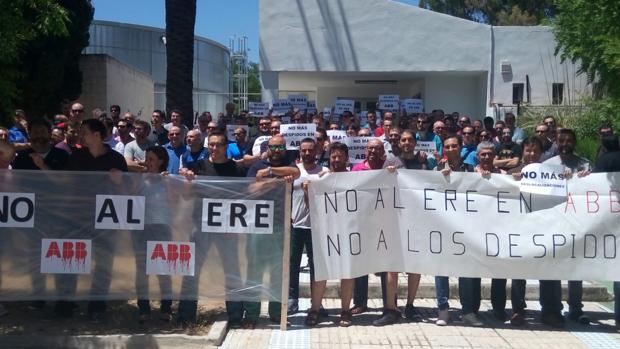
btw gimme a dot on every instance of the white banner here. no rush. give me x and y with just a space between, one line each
337 136
280 106
259 109
295 133
357 148
463 225
412 106
170 258
343 105
64 256
230 131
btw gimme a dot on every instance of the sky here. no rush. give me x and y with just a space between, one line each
218 20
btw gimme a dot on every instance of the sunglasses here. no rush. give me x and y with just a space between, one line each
77 110
277 147
468 133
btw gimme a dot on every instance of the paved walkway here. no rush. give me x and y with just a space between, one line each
600 334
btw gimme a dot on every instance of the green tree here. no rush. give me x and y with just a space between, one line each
589 31
49 65
22 21
180 20
495 12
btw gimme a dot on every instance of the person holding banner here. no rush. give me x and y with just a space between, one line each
338 159
275 165
469 288
412 161
425 134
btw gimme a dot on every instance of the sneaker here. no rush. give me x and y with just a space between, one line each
443 317
553 320
390 316
293 306
579 317
472 319
411 313
517 319
500 315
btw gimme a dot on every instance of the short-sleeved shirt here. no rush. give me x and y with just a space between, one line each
137 152
262 164
174 158
234 151
55 159
573 162
300 212
389 161
608 162
82 160
190 159
508 151
226 169
18 135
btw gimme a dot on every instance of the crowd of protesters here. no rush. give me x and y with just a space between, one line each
111 141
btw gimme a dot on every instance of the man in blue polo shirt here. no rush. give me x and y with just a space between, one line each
175 149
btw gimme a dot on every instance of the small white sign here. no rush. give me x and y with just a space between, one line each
259 109
285 119
17 210
237 216
426 147
230 131
311 107
119 212
337 136
327 113
63 256
412 106
256 146
543 179
294 133
281 106
389 102
298 101
357 148
343 105
170 258
363 118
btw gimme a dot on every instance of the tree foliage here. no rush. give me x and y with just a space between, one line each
495 12
589 31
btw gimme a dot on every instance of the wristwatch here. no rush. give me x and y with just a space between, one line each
270 172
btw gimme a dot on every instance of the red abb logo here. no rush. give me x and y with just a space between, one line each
175 252
69 250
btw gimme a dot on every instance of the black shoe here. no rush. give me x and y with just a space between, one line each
235 324
579 317
411 313
500 315
552 319
293 306
323 312
389 317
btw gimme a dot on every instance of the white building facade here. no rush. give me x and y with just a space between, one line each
360 49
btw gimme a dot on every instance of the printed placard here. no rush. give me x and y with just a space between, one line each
412 106
389 102
311 107
285 119
543 179
119 212
230 131
337 136
64 256
357 148
17 210
280 106
170 258
327 113
298 101
363 117
256 146
237 216
294 133
343 105
426 147
259 109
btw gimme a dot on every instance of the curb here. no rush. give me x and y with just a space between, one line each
213 339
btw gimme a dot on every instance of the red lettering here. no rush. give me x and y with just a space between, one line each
594 202
80 250
173 253
569 201
613 193
185 254
53 250
158 252
67 250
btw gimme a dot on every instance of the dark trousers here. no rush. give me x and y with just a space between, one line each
300 237
551 297
575 293
469 293
517 295
617 300
360 293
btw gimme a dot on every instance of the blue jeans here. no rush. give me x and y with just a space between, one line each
575 293
469 293
551 297
442 291
517 295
